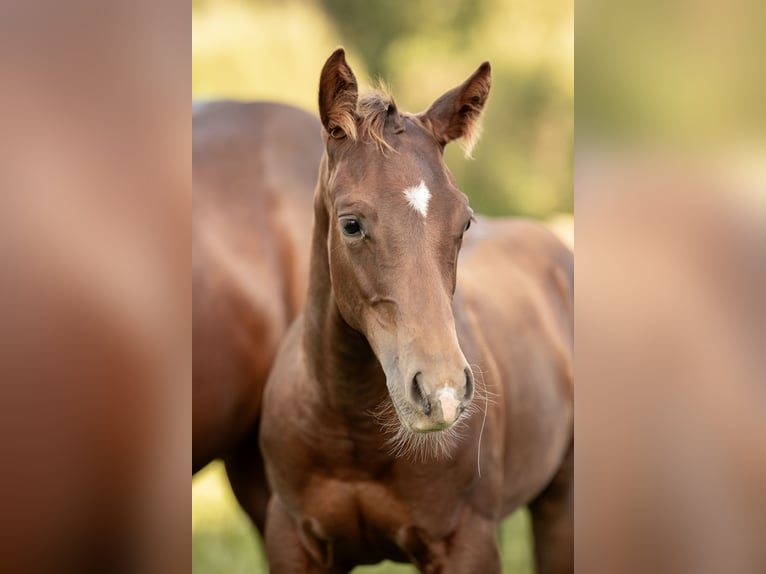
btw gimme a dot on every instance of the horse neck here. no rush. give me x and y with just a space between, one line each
339 358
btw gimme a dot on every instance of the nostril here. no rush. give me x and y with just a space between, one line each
418 396
468 383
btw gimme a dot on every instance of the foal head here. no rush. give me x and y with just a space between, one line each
396 224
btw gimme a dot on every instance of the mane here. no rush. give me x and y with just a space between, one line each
377 106
373 109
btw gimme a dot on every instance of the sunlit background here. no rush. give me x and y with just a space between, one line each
274 50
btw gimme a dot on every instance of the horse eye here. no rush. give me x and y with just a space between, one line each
337 133
470 220
351 227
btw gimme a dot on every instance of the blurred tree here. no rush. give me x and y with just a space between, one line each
684 73
371 27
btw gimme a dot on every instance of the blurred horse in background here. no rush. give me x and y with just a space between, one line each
254 173
416 402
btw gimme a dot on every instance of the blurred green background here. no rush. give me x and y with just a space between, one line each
274 50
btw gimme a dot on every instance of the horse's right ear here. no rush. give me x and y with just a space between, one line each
338 95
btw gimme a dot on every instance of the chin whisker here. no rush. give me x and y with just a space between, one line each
481 391
402 442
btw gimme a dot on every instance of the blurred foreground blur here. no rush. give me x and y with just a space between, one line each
94 288
670 188
671 369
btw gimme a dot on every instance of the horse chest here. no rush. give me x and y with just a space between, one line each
368 518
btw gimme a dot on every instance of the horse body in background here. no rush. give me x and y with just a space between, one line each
254 173
415 402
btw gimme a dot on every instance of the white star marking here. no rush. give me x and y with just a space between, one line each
418 197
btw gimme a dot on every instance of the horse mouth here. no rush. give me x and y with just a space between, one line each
417 438
420 425
426 427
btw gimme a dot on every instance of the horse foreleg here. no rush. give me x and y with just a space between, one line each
472 547
553 521
247 476
295 551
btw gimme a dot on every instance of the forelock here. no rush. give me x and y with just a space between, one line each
373 110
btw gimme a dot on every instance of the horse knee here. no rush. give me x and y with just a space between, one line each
286 551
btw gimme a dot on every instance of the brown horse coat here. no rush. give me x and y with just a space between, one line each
383 334
254 168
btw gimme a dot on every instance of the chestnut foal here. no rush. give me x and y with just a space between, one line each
378 441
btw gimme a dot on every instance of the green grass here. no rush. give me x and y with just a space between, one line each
224 540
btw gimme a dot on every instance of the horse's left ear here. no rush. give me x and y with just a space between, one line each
456 113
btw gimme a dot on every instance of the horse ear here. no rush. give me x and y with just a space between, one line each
456 113
338 94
